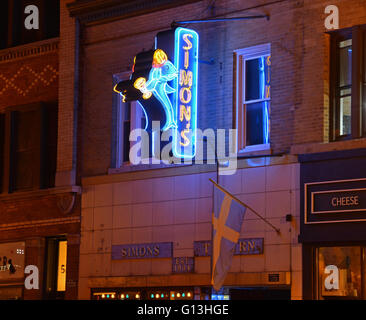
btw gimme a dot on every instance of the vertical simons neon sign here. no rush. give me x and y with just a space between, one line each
186 62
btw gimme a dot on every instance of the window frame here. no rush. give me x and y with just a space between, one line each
357 34
51 264
240 56
8 177
315 267
136 114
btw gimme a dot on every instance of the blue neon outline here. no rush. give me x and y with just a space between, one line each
266 122
177 153
161 93
262 89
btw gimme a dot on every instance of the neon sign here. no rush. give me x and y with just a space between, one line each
164 81
186 62
161 73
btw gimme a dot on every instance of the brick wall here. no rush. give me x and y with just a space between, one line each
31 73
29 79
299 107
67 92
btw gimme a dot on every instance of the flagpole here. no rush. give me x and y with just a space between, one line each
213 207
245 205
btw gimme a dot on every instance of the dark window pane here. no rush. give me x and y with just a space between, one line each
127 111
25 146
49 21
256 123
51 18
4 24
345 63
49 144
257 78
32 35
126 141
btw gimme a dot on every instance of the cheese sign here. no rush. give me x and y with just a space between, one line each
186 62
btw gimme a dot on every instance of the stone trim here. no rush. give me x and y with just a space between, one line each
33 49
39 193
98 10
195 279
317 147
114 176
38 223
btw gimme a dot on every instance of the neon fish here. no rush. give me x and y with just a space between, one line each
161 73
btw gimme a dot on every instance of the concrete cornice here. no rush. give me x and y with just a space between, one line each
39 193
29 50
96 11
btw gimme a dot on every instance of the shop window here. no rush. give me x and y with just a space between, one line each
29 152
253 96
56 261
12 17
2 131
128 116
348 84
339 273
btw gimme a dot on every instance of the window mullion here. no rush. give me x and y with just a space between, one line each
356 83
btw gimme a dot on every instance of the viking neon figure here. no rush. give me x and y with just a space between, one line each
161 73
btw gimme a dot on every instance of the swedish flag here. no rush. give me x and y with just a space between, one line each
227 219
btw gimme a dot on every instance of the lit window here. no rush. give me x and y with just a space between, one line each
253 83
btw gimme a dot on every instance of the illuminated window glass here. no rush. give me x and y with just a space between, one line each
339 273
56 264
61 266
253 97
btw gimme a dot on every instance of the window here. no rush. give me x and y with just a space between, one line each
56 263
2 134
348 84
253 95
12 17
129 116
340 273
29 152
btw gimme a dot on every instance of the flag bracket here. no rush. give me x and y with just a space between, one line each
278 231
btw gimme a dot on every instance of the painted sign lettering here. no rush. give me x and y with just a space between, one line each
142 251
243 247
183 264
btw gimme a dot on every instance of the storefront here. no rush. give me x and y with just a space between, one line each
12 270
333 207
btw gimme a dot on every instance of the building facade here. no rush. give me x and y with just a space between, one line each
39 197
291 87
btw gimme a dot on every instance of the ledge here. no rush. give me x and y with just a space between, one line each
141 172
318 147
30 49
39 193
191 279
89 11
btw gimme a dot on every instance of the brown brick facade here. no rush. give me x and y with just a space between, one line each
34 73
